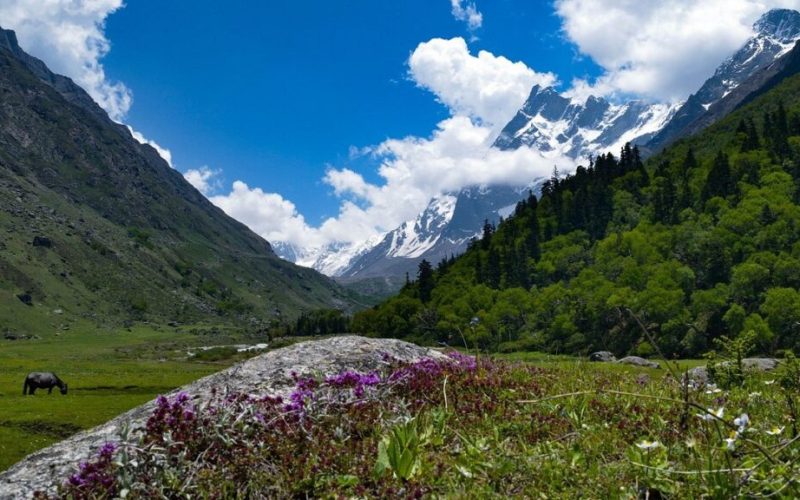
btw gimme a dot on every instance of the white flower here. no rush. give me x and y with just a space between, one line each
730 443
713 390
648 445
769 382
691 443
741 421
718 413
775 431
754 395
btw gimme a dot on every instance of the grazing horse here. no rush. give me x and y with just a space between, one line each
43 380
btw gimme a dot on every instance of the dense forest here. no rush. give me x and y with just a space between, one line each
700 241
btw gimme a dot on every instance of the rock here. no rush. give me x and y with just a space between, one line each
25 298
41 241
760 364
697 375
637 361
602 357
267 374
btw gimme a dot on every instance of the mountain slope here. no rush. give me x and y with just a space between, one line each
703 242
98 226
775 34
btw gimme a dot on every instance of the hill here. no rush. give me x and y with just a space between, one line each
97 227
702 241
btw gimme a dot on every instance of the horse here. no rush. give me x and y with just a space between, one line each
43 380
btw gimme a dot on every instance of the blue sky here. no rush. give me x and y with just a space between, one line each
273 92
262 104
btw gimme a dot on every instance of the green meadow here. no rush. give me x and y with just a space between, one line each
108 372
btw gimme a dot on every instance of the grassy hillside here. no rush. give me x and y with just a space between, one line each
702 241
98 227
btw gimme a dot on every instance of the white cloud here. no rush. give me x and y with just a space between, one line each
662 49
485 87
68 36
414 169
466 11
268 214
204 179
162 151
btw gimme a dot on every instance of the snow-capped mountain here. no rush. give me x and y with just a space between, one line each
556 125
332 260
775 34
443 229
552 123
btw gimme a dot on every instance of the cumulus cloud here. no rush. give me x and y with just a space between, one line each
204 179
268 214
68 36
661 49
486 87
467 12
414 169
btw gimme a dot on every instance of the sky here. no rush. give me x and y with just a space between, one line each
319 122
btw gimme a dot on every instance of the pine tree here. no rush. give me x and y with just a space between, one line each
719 181
488 231
425 281
689 164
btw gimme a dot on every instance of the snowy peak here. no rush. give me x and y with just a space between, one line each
780 25
331 259
552 123
415 237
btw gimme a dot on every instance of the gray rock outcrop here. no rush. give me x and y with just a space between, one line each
602 357
637 361
267 374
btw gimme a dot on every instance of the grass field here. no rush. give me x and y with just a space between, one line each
111 371
108 372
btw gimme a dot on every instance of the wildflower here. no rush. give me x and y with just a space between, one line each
648 445
775 431
107 450
754 395
769 382
741 421
712 389
691 443
730 443
712 414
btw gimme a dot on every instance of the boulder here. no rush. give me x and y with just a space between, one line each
41 241
760 364
637 361
602 357
697 375
25 298
267 374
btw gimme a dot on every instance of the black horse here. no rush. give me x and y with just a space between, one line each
43 380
